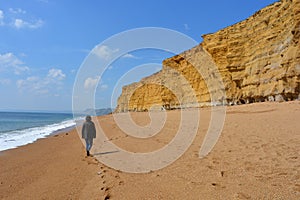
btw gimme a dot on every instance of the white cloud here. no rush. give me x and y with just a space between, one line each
104 52
32 84
103 87
9 61
17 22
56 74
1 18
17 11
43 1
110 67
42 85
90 83
22 55
20 23
5 81
128 55
20 69
107 53
186 27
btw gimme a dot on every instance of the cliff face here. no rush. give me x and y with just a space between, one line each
258 60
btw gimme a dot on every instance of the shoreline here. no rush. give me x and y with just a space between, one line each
19 137
73 127
257 156
54 134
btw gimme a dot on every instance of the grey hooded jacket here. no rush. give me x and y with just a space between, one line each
88 130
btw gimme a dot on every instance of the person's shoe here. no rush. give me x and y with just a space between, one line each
87 153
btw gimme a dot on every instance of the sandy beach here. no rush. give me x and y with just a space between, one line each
256 157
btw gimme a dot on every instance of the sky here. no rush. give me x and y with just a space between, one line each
43 44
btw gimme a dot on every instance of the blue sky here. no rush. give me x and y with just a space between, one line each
44 42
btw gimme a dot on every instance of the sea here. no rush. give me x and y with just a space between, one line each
21 128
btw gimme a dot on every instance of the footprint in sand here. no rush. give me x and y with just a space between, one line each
107 197
210 167
241 195
214 184
215 162
293 157
297 188
91 162
222 173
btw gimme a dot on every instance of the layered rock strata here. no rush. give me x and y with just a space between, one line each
257 59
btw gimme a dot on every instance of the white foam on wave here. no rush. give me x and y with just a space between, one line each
18 138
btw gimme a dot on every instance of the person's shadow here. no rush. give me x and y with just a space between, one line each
104 153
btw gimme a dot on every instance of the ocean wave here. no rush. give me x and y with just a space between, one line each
13 139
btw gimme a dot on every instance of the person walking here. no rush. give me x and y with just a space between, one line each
88 133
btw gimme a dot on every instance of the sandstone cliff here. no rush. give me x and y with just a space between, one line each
258 60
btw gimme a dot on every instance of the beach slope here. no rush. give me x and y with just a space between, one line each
256 157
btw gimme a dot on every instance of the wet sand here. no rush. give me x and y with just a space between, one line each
256 157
